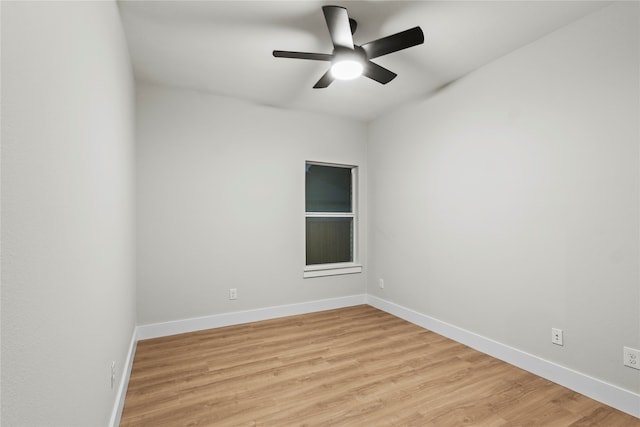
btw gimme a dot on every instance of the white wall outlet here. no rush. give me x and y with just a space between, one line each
556 336
631 358
113 373
233 293
381 283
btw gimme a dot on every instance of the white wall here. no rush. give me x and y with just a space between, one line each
220 191
68 305
508 204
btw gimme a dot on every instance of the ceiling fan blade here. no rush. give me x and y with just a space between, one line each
302 55
354 26
378 73
339 26
324 81
394 42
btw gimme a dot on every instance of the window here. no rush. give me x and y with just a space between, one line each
330 220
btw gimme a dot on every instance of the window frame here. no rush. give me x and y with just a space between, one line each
333 269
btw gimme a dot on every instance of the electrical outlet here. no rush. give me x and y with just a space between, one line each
556 336
381 283
233 293
631 357
113 373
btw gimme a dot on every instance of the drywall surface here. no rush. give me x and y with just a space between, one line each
507 204
220 191
67 211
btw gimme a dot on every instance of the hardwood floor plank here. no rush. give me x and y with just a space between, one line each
356 366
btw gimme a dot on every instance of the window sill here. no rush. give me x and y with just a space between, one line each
331 269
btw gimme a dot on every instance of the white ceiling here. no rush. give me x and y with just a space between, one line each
225 47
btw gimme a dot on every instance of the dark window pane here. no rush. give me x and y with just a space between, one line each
328 189
329 240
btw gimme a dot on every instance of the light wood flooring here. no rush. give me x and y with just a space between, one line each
356 366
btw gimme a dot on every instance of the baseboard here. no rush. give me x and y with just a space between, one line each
124 381
616 397
156 330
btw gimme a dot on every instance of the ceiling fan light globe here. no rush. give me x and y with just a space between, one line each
348 69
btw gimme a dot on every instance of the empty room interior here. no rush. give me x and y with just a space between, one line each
204 223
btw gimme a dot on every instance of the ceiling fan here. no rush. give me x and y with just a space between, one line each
348 60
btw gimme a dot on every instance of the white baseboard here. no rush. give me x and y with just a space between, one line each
616 397
156 330
124 381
